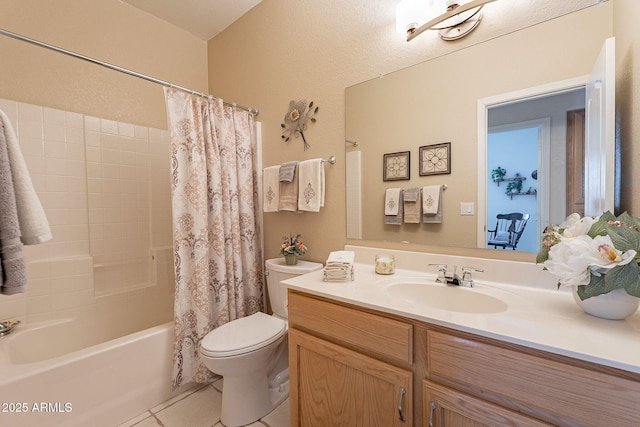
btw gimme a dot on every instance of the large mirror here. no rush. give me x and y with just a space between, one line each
406 116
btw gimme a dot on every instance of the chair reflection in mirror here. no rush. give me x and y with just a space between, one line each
508 230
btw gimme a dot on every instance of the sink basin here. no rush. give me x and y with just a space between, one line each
449 298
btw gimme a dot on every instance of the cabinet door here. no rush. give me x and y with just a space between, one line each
334 386
445 407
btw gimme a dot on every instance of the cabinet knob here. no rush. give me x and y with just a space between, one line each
400 414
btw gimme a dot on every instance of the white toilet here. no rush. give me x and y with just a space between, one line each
251 353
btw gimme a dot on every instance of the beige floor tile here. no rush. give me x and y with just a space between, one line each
150 421
279 417
136 420
188 391
199 409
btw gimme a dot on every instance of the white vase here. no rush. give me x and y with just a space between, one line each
614 305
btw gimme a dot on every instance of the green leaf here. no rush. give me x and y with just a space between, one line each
608 216
626 277
542 256
618 277
596 287
624 238
599 228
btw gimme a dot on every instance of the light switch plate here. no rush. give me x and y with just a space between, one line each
467 208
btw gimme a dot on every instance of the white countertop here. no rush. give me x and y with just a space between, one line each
542 318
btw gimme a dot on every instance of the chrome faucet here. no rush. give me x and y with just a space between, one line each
452 278
467 281
7 326
446 277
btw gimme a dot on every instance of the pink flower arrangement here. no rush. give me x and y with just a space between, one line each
292 245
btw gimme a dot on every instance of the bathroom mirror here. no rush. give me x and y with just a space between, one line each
436 102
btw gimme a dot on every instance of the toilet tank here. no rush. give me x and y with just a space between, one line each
277 271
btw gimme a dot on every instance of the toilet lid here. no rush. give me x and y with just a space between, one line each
243 335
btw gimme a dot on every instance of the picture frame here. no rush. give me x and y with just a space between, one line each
396 166
434 159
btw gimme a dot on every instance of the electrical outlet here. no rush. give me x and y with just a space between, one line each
466 208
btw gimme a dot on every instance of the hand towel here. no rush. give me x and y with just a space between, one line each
270 188
14 275
288 200
432 204
34 226
341 258
412 205
393 209
311 185
339 266
288 171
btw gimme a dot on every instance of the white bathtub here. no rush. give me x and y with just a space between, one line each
101 385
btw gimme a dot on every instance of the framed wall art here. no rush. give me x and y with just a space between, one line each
435 159
396 166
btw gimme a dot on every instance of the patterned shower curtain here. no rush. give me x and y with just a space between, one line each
216 238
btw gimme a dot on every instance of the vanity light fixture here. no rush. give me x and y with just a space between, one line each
413 17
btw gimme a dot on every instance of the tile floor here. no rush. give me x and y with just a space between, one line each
200 407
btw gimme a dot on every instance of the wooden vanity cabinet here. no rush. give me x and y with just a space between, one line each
347 365
348 368
543 386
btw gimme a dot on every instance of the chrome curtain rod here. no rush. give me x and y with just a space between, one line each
16 36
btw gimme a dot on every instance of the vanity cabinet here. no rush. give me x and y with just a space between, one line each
347 365
447 407
348 368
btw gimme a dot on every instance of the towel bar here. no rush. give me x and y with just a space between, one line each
331 160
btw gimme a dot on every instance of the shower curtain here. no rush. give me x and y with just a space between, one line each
216 238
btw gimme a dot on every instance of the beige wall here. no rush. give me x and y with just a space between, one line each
107 30
288 49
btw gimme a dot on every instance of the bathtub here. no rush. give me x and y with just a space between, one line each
101 385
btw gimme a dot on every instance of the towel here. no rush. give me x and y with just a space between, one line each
14 275
432 204
412 205
339 266
270 188
288 171
288 200
34 227
311 185
393 206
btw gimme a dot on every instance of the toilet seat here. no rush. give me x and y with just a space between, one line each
243 335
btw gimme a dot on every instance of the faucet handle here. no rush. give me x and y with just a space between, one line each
466 275
442 272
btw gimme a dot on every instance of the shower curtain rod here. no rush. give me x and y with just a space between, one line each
16 36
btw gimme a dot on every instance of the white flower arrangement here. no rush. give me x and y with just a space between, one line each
596 254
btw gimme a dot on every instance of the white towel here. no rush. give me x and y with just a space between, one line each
270 188
391 201
34 226
393 206
341 258
339 266
311 185
432 204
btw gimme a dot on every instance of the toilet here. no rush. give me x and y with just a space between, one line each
251 353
